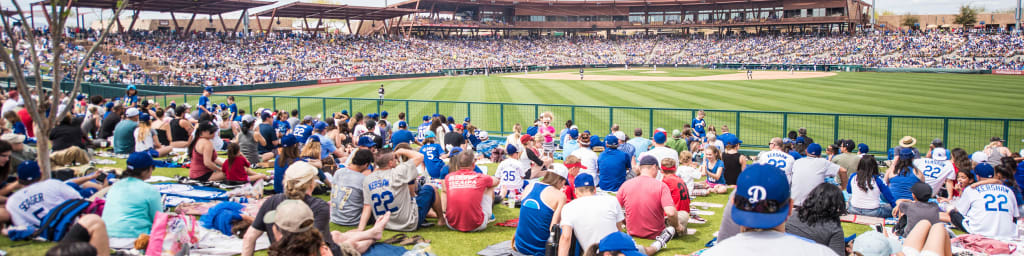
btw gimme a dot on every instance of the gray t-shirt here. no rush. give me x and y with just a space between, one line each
388 190
829 233
347 197
916 211
729 228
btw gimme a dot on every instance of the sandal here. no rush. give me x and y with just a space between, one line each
410 241
394 239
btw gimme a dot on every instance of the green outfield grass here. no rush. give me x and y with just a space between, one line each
662 71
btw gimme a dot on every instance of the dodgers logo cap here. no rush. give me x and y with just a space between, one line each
762 197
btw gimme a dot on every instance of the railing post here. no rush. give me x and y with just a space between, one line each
184 96
408 115
611 118
251 110
835 128
165 100
274 101
945 131
536 111
650 121
888 133
469 113
785 124
737 129
323 105
379 102
298 105
501 113
1006 130
437 107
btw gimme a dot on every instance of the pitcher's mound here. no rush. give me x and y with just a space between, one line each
740 75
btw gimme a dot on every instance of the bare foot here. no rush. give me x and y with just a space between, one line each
378 227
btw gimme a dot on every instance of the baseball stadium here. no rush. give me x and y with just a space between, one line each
509 127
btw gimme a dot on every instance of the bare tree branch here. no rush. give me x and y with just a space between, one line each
79 75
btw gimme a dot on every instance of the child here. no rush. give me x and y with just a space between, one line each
963 179
713 168
510 174
16 125
919 209
236 168
687 170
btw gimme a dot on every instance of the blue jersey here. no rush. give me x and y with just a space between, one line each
612 165
233 108
134 99
205 103
302 132
401 136
432 159
698 125
281 126
899 185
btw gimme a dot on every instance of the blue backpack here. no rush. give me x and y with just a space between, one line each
59 220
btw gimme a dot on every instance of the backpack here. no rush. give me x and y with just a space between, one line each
59 220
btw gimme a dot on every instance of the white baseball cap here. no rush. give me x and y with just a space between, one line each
561 170
940 154
979 157
131 112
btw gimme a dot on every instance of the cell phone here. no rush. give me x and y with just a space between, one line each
879 229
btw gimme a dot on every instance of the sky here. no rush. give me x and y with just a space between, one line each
896 6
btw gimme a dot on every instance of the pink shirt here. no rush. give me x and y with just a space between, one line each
465 192
548 135
644 199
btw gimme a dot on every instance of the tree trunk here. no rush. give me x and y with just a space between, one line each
44 149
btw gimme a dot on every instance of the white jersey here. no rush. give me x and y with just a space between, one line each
661 153
29 205
936 172
778 159
688 174
359 130
588 159
510 172
767 243
592 218
989 210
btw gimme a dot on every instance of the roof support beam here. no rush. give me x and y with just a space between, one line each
349 26
189 26
135 17
175 20
222 26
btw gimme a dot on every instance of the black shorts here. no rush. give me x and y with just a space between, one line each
958 220
205 177
77 233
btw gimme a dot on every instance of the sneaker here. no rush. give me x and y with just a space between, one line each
662 240
696 219
492 219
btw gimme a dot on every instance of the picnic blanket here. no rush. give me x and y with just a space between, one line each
200 208
212 242
175 194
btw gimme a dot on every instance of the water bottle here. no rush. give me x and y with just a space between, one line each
510 199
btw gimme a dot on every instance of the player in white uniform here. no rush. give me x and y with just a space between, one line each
510 173
988 209
938 170
776 157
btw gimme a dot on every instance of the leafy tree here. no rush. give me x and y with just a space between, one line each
911 21
968 16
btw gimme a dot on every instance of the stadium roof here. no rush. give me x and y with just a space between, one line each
181 6
412 3
332 11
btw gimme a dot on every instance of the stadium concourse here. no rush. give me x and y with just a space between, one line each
279 181
215 59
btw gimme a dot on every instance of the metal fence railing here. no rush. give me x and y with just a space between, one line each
755 128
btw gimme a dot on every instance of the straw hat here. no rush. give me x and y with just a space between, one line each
907 141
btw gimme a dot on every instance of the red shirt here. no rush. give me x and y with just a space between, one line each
677 188
644 199
236 170
465 192
570 189
27 120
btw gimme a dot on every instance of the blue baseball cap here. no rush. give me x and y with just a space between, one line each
289 140
426 118
264 115
583 180
366 142
80 97
907 152
573 133
814 149
131 87
982 170
799 140
320 126
435 115
620 242
372 115
428 134
109 105
659 137
139 161
29 171
224 106
143 117
344 112
511 149
384 114
208 89
762 197
611 140
314 138
466 120
451 119
455 150
862 148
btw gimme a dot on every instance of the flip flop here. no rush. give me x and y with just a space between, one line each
394 239
410 240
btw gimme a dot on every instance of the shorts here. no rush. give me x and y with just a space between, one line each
549 147
152 152
204 177
77 233
958 220
424 200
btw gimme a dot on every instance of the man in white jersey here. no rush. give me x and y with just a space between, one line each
422 130
592 216
938 170
387 190
30 204
776 157
660 151
761 206
586 155
510 173
988 209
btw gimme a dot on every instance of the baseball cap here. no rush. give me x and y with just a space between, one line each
676 133
131 87
429 134
996 138
12 93
451 119
208 89
402 124
307 118
426 118
248 118
863 148
573 133
762 197
648 160
940 154
583 180
872 243
466 120
906 152
561 170
511 149
384 114
372 115
525 138
799 140
264 116
289 140
937 141
80 97
659 137
921 191
344 112
620 242
296 216
482 135
320 126
300 171
314 139
458 126
139 161
29 171
814 149
455 151
982 170
13 138
109 105
366 142
143 117
131 112
979 157
611 140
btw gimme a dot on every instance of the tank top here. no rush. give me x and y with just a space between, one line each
732 167
197 169
178 133
161 135
248 147
996 157
534 223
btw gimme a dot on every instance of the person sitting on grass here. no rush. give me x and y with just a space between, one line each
648 202
146 140
299 182
612 165
541 206
974 213
914 211
287 154
867 189
679 192
236 168
293 223
389 182
132 204
818 220
712 167
347 192
124 141
510 173
470 195
205 165
903 175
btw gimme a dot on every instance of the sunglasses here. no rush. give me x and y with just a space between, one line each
763 206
